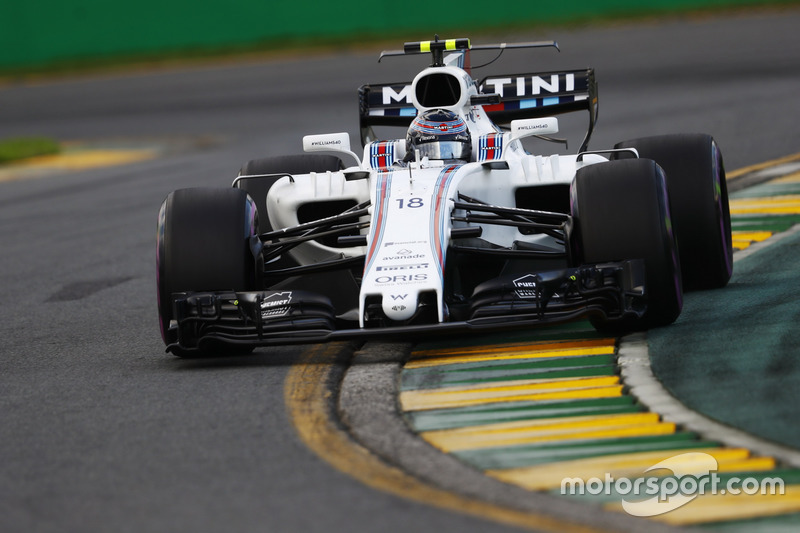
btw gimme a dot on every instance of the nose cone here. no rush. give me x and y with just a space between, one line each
400 306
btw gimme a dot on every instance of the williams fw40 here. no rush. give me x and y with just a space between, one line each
453 226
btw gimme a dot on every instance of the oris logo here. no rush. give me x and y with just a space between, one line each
402 278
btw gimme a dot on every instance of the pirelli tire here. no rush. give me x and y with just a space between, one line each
621 211
202 244
699 202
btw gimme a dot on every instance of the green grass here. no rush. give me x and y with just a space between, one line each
25 147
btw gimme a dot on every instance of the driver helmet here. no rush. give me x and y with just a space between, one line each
439 134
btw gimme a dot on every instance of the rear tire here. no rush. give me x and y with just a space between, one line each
699 202
203 245
621 211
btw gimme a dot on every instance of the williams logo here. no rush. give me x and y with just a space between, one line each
276 304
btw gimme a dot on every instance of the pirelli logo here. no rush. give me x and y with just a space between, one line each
392 268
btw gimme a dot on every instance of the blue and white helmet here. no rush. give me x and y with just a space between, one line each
439 134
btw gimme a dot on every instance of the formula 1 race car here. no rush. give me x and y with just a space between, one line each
452 227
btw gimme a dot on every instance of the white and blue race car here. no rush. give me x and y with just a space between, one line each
454 226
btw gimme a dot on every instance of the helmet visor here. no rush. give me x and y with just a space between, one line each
445 150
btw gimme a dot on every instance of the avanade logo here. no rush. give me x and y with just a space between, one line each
671 484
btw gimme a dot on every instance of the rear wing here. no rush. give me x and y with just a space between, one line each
531 95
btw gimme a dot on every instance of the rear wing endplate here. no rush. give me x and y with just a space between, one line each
531 95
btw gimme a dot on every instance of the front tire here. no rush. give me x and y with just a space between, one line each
202 244
621 211
699 202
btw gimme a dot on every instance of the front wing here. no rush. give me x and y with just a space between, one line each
609 291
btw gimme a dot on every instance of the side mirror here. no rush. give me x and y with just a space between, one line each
329 142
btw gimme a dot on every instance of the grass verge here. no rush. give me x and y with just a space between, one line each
26 147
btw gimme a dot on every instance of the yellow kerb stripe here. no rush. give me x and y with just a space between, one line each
789 178
749 465
414 400
88 159
514 347
499 353
778 210
751 235
546 424
613 391
787 204
496 435
564 436
742 239
761 166
549 476
709 508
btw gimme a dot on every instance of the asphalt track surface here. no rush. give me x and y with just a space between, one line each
103 431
